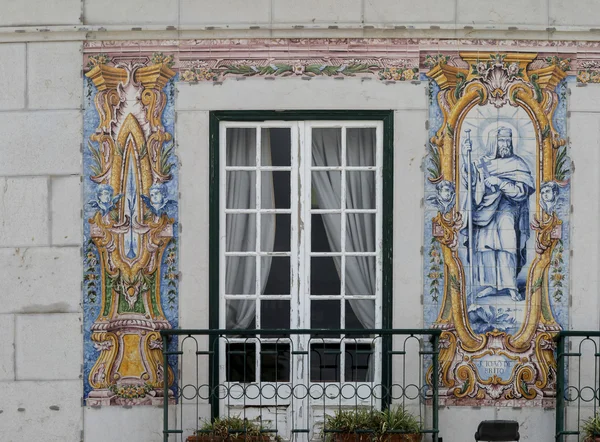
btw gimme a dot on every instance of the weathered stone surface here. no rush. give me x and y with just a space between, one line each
23 211
134 12
38 143
54 75
49 410
66 210
32 12
40 280
7 347
12 76
48 346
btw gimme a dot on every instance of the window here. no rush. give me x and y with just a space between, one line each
300 245
302 205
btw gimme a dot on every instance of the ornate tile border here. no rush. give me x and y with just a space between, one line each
390 60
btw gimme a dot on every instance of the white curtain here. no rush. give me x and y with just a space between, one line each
360 194
240 276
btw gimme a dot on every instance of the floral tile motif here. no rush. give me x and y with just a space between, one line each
390 60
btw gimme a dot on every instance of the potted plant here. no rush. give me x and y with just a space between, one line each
364 425
356 425
232 429
398 425
591 428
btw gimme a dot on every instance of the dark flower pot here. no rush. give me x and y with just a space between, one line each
209 438
400 437
353 437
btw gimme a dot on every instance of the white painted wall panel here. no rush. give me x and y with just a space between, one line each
296 93
126 425
585 153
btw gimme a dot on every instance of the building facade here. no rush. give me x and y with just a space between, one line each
356 168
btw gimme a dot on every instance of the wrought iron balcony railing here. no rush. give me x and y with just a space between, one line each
578 384
301 384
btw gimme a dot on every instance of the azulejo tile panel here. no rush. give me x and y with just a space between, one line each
130 232
497 224
497 343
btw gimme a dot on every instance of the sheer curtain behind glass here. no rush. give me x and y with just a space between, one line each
240 276
360 193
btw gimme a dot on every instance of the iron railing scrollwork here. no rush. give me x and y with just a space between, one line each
289 381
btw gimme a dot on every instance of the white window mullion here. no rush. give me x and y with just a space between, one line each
343 260
377 354
258 245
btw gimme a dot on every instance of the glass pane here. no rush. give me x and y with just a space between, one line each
240 275
326 188
276 271
241 360
280 140
275 313
241 146
360 190
358 359
279 194
324 277
360 313
241 232
361 147
325 314
241 189
241 314
360 232
281 235
325 362
360 275
321 224
326 146
275 362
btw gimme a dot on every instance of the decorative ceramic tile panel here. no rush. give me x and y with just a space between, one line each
497 193
498 315
130 231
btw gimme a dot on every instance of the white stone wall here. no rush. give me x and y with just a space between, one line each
81 19
40 238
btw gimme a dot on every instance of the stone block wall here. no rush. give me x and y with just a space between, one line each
40 239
